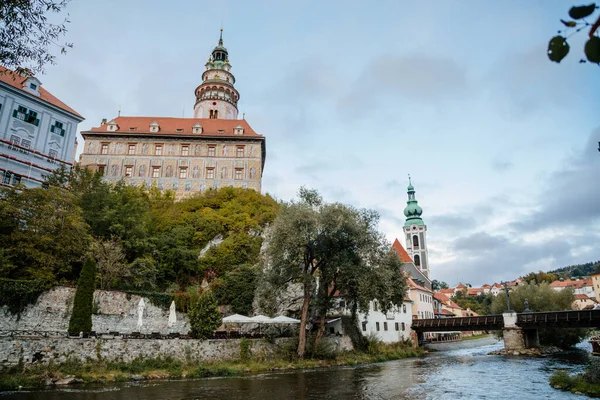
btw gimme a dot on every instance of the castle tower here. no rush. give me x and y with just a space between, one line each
216 97
416 232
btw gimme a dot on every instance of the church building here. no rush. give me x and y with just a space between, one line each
416 232
213 149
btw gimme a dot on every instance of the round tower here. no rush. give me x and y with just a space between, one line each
416 232
216 97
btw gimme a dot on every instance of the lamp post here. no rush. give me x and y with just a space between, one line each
507 296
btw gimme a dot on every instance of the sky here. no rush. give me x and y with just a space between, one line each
353 96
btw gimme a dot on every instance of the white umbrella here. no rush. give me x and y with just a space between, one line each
236 319
281 319
141 307
260 319
172 315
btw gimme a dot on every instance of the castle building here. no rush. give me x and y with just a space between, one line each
37 130
186 155
416 232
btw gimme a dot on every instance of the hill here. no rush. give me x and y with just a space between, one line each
576 270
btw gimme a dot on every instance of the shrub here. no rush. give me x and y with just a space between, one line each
18 294
204 315
81 317
245 351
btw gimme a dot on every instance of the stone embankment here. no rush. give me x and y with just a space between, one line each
536 352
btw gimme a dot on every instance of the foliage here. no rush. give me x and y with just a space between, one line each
587 383
81 316
26 33
245 349
543 298
111 263
539 277
577 270
437 285
237 288
163 300
339 244
18 294
558 48
204 315
43 234
481 304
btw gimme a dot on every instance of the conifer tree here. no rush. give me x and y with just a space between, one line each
204 315
81 317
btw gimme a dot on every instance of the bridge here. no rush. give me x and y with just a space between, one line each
520 329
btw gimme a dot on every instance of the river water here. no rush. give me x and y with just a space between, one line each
460 371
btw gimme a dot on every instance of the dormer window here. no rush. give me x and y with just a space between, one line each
179 130
112 126
154 127
33 86
133 128
197 128
238 130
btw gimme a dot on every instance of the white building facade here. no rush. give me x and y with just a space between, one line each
37 130
390 327
415 231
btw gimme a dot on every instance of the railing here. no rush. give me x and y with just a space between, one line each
131 335
565 319
484 322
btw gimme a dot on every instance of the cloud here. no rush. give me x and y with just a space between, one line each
501 165
452 221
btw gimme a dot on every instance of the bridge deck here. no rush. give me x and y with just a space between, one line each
479 323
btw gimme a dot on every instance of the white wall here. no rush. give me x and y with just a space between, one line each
367 323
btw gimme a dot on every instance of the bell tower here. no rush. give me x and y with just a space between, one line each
216 97
415 231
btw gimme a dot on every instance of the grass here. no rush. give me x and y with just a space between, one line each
574 383
171 368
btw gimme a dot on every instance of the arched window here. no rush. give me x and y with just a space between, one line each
417 260
415 242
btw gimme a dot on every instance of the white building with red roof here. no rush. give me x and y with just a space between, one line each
37 130
185 155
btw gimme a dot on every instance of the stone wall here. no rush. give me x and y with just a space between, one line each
58 350
114 311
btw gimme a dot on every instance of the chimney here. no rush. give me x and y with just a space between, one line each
103 122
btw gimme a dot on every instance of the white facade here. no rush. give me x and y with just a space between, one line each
422 303
416 246
389 328
36 136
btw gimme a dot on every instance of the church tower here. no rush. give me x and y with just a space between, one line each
216 97
416 232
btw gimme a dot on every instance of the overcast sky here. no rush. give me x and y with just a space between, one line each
353 96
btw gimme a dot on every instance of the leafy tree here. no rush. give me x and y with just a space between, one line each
340 244
204 315
45 234
111 264
437 285
481 304
26 34
558 48
81 316
539 277
543 298
237 288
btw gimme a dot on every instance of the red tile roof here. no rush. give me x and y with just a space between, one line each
413 285
442 298
486 286
575 284
179 126
401 252
447 291
15 80
447 312
582 297
461 286
474 291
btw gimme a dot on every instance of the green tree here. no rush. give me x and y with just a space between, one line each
437 285
81 316
543 298
26 33
539 277
237 288
204 315
339 244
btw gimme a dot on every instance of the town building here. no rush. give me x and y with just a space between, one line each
579 286
596 285
37 130
582 301
415 231
214 149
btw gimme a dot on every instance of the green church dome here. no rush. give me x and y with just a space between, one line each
413 211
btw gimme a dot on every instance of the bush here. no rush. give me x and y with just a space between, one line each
18 294
245 349
204 315
81 317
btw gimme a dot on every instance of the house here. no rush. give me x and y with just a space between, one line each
579 286
37 130
595 278
582 302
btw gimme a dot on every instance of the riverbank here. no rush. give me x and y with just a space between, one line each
75 372
578 384
485 340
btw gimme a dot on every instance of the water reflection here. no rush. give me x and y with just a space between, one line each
457 374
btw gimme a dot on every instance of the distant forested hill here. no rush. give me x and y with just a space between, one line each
576 270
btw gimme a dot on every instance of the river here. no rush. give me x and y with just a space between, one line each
461 370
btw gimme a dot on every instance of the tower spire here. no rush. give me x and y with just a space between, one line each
221 38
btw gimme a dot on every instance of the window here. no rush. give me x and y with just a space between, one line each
364 326
101 169
131 149
239 151
6 178
403 326
58 128
158 150
128 170
377 326
26 115
104 148
26 143
16 179
210 173
185 150
397 326
183 173
156 172
179 130
375 305
404 308
331 330
211 151
415 242
15 139
53 153
385 326
417 260
33 86
239 173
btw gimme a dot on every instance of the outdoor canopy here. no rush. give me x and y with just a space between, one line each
259 319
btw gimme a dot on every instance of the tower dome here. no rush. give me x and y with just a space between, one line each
413 211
